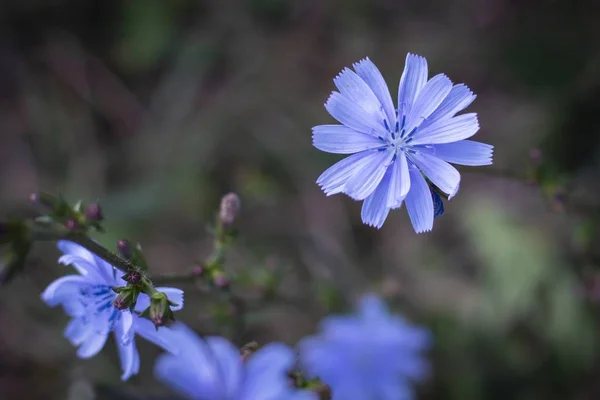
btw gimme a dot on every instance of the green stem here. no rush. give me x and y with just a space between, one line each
52 232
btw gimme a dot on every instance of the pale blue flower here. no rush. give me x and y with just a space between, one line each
370 355
395 149
87 298
211 368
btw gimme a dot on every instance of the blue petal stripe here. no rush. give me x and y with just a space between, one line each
353 115
463 152
371 75
419 203
334 179
355 89
399 182
340 139
440 173
374 209
366 179
412 81
430 97
459 98
448 130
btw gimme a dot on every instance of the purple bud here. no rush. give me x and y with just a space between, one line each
230 208
133 277
93 212
198 270
221 281
71 224
127 297
124 248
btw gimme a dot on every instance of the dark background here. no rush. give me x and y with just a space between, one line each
158 108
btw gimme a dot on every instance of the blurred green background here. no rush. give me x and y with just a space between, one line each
158 108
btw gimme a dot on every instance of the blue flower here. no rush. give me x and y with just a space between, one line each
211 368
371 355
394 150
87 299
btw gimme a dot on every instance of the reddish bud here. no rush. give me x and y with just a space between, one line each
133 277
71 224
93 212
230 208
124 248
221 281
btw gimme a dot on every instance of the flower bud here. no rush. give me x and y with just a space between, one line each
132 277
127 297
93 212
221 281
124 248
160 312
198 270
230 208
71 224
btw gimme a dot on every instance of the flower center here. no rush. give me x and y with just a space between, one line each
97 303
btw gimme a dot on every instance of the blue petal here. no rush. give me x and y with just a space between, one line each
448 130
266 373
399 182
340 139
419 203
356 90
430 97
125 327
129 357
374 209
440 173
364 182
371 75
64 289
162 337
93 262
372 307
459 98
463 152
412 81
334 179
78 330
92 344
353 115
181 376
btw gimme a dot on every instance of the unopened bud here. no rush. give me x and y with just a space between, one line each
198 270
230 208
160 312
221 281
133 277
127 297
71 224
124 248
93 212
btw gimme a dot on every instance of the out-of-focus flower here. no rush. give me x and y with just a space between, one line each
212 369
394 149
229 209
370 355
88 299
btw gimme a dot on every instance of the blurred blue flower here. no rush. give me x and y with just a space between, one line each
211 368
395 149
87 299
370 355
